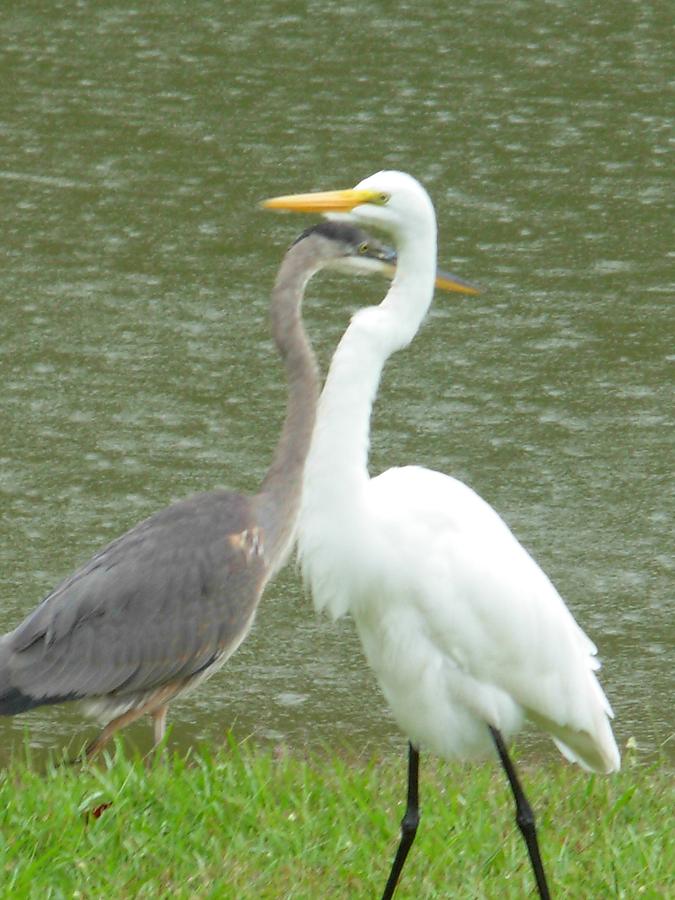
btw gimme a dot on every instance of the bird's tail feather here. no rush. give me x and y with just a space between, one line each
595 752
12 700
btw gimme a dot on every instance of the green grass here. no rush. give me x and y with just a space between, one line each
251 822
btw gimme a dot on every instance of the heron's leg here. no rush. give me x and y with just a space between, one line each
159 720
114 725
409 822
524 815
155 704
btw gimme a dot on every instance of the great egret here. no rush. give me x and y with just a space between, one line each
162 607
466 634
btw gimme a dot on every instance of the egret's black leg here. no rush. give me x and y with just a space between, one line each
409 823
524 815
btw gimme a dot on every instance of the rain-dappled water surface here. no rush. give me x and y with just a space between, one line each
135 360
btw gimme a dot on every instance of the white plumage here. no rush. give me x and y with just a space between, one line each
463 629
460 625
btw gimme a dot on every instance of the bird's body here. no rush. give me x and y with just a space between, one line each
466 634
192 559
163 606
501 647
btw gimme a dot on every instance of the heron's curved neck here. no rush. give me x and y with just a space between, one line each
279 495
337 466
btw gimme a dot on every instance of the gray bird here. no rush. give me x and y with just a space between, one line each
161 608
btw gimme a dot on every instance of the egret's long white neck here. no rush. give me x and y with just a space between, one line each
336 468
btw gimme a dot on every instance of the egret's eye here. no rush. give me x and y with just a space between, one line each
383 198
363 247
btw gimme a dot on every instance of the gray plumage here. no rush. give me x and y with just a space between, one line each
164 605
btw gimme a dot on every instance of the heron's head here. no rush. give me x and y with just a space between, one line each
343 246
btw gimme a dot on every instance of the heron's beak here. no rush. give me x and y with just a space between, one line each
445 281
323 202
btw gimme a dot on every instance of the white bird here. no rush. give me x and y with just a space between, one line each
467 636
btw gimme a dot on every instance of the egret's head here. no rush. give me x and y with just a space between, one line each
398 205
392 201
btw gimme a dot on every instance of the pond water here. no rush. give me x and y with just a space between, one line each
135 358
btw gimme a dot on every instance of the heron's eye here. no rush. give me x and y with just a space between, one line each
383 198
363 247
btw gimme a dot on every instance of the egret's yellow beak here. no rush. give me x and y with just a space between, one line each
325 201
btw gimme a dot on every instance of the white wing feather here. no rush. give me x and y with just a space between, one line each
467 621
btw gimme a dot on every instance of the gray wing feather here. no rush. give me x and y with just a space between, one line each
159 603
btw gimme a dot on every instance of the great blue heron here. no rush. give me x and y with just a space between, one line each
162 607
466 634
